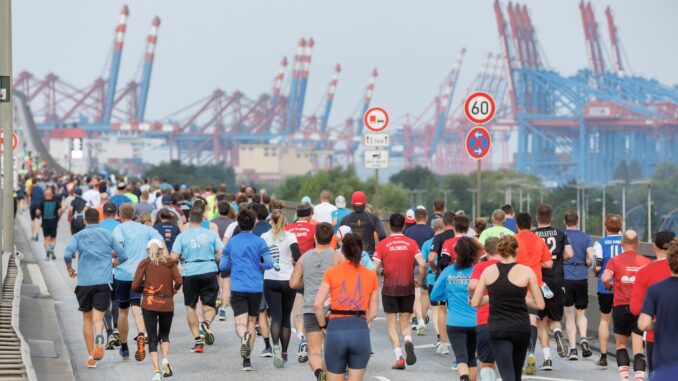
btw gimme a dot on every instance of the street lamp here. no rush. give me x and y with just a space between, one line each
623 184
647 182
582 205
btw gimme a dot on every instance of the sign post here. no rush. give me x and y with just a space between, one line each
6 120
479 108
376 120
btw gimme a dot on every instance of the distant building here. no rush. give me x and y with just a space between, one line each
271 163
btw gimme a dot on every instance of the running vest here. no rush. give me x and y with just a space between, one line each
313 267
508 310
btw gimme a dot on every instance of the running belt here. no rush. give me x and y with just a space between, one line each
201 260
348 313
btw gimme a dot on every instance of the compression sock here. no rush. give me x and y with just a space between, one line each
267 341
639 365
547 353
623 363
533 338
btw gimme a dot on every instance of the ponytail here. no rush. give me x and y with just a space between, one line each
278 223
352 248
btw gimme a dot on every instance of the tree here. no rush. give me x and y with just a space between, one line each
635 171
622 171
177 173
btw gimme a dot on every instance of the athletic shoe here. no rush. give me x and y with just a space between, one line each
268 352
399 364
124 352
246 365
198 348
561 345
201 333
421 330
322 376
140 354
602 362
548 294
166 368
222 315
585 349
116 334
437 344
531 368
414 323
487 374
110 344
410 357
209 336
453 365
278 361
547 365
98 353
573 356
157 376
426 320
245 346
303 350
257 329
91 363
445 349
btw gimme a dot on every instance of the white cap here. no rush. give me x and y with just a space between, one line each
421 207
342 231
340 202
409 214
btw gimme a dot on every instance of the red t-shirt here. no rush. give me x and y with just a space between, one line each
532 252
305 233
483 312
396 253
448 248
647 276
624 268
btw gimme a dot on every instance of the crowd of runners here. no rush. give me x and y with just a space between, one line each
491 291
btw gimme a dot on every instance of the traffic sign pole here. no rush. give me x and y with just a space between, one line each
478 174
376 120
6 123
479 108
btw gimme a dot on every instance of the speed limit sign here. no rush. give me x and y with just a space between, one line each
479 107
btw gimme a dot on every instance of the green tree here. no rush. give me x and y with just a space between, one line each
622 171
177 173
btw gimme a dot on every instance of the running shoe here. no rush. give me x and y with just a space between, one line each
124 352
421 330
454 364
547 365
585 349
257 329
445 349
426 319
157 376
602 362
278 361
245 346
561 344
98 353
531 368
222 315
267 352
573 355
166 368
410 357
303 350
110 343
399 364
198 348
201 333
246 365
487 374
548 294
116 334
414 323
322 376
91 363
209 336
140 354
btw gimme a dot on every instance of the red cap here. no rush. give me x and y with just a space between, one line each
358 199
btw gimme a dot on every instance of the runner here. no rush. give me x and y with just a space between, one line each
534 254
323 211
112 315
166 203
167 227
620 274
158 278
438 211
144 206
453 286
363 223
497 230
93 247
550 317
353 292
341 212
420 232
50 211
653 273
36 193
438 228
397 254
510 220
243 257
134 237
660 304
225 218
199 247
435 262
605 249
223 221
120 198
507 284
577 286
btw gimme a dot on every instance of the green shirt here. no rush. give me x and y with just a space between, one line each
495 231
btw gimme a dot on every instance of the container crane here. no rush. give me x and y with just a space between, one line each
148 67
115 64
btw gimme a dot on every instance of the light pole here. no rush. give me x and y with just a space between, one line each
647 182
602 218
473 203
623 184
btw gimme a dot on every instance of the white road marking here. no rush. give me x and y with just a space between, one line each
424 346
36 277
382 378
547 378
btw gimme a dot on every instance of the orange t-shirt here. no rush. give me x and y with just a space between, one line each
532 252
350 287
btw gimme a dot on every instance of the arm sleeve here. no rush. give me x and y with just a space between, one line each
70 250
296 253
444 261
438 291
650 305
638 293
139 276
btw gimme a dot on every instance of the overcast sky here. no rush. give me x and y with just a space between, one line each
237 45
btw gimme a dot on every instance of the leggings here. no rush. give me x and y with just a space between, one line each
280 300
509 349
111 315
463 340
158 325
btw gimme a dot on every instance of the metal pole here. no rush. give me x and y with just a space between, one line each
585 213
473 200
478 190
520 197
528 199
6 123
602 218
649 213
624 207
376 189
579 203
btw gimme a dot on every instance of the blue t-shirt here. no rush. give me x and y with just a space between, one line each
510 224
575 267
420 233
243 255
37 195
366 261
169 232
120 199
452 286
94 246
430 275
109 224
339 215
661 302
606 248
197 247
133 237
260 228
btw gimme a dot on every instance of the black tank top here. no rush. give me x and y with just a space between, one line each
508 310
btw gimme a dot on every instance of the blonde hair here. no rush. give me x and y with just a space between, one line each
145 219
277 223
155 254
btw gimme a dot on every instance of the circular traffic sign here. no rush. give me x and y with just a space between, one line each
376 119
479 107
15 141
478 142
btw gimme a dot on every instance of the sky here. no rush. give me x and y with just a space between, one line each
237 45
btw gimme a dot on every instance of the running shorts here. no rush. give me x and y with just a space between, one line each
347 344
49 228
463 340
398 304
225 274
624 322
554 306
577 294
245 303
97 297
124 294
441 303
483 347
311 323
202 286
605 302
33 209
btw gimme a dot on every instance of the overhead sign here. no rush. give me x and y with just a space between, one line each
377 140
376 119
15 141
479 107
376 159
478 142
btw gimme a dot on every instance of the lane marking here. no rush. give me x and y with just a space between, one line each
547 378
424 346
36 277
382 378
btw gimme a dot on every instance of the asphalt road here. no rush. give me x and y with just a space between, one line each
222 360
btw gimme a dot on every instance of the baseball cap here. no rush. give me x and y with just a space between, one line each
167 199
110 208
340 202
421 207
342 231
77 191
409 216
358 199
122 185
663 239
306 200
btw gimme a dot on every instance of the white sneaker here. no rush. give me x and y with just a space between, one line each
445 349
421 330
487 374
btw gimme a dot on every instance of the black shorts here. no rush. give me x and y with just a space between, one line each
124 294
554 306
49 228
77 226
483 347
398 304
202 286
577 294
33 209
605 302
429 288
624 322
311 323
97 297
245 303
225 274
